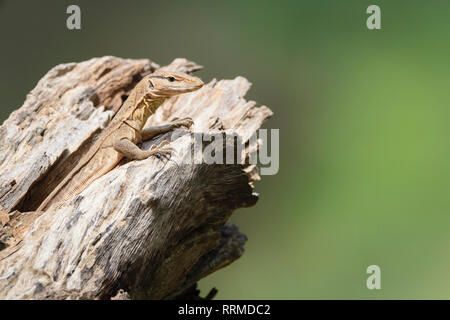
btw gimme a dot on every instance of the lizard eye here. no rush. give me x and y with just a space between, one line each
171 79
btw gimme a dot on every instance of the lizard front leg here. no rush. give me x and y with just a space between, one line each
132 151
150 132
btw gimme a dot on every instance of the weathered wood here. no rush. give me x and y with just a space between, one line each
151 228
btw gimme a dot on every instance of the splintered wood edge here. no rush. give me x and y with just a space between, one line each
150 228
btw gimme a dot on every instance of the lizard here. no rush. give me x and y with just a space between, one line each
120 138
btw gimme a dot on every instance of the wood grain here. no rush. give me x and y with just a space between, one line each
149 229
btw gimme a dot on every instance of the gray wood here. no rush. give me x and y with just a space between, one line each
148 229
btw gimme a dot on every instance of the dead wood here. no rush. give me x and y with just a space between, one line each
150 228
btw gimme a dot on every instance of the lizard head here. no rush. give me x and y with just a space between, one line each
165 84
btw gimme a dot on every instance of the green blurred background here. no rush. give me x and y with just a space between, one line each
363 118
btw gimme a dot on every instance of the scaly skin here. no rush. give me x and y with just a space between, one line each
125 131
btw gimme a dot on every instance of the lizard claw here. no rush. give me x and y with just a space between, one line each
162 152
185 122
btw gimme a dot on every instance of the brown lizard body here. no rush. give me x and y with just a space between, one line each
125 131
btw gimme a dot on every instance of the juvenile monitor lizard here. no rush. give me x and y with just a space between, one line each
125 131
117 141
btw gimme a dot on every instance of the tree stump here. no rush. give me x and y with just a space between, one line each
148 229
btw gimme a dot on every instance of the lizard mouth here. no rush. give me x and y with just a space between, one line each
189 89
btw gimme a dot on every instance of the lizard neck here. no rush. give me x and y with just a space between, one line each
151 104
144 109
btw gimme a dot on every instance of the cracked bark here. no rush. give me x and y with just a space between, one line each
148 229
